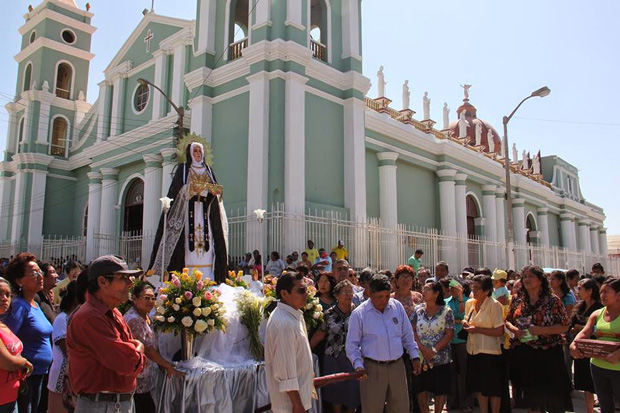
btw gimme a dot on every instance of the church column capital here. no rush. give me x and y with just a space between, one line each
152 161
109 174
460 178
387 158
446 174
94 177
168 154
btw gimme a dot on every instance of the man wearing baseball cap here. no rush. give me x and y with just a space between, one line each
105 358
341 251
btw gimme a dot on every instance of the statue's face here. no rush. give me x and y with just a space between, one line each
197 154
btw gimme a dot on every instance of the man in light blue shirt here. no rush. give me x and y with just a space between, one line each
379 330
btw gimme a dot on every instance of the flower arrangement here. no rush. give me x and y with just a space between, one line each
269 286
235 280
251 309
187 304
313 311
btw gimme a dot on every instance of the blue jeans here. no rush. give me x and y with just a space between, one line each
607 385
28 402
9 407
85 405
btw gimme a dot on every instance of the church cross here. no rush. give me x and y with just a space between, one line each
147 40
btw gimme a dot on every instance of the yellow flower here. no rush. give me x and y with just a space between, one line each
198 275
240 274
185 270
150 272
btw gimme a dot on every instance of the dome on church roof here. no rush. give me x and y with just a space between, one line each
473 121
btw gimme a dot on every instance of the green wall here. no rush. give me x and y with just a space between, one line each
372 185
62 197
417 205
553 221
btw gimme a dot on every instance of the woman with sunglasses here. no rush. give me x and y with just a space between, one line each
13 367
139 322
27 321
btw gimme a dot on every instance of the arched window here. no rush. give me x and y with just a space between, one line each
60 131
318 29
530 225
27 77
134 201
239 23
472 214
64 77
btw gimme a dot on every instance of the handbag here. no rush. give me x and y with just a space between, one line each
463 334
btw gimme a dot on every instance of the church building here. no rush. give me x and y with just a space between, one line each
277 89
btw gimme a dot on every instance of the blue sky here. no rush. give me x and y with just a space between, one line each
504 49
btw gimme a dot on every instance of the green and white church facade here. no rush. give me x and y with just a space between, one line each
291 130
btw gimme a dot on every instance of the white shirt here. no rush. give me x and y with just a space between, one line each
288 359
58 369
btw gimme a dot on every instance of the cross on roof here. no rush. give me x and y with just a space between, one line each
147 40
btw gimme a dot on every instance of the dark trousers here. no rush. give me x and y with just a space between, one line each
505 401
28 402
143 403
9 407
607 385
459 397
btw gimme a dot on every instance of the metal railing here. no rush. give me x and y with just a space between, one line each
236 48
319 50
54 247
63 93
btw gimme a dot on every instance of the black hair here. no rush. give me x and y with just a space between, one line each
71 265
332 283
590 285
341 285
276 253
598 266
379 282
486 283
563 284
69 299
140 287
483 271
540 274
286 282
419 251
45 267
437 288
570 274
613 282
303 270
366 275
16 270
82 286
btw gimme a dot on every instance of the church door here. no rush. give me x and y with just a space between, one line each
473 251
134 200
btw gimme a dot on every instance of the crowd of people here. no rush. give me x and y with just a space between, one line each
493 339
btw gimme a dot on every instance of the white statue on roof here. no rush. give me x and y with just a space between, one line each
536 165
466 91
446 116
526 164
406 95
515 156
478 134
463 124
490 141
427 106
381 82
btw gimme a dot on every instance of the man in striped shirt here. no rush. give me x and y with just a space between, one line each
288 359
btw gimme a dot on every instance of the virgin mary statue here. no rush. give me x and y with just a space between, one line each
196 224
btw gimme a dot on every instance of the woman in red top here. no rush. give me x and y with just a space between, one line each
13 367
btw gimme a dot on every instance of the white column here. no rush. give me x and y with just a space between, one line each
355 177
37 204
159 80
447 201
293 13
12 131
151 206
102 105
518 219
294 158
206 27
567 228
460 193
202 116
602 243
43 137
500 212
19 201
351 29
262 14
543 226
178 71
5 206
94 215
388 207
490 211
27 124
584 236
109 189
167 169
258 144
118 99
594 239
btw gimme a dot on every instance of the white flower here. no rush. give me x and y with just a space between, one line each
206 311
161 310
200 326
176 307
316 315
165 203
197 312
171 319
211 322
214 307
159 318
259 214
178 300
196 301
309 306
187 321
159 302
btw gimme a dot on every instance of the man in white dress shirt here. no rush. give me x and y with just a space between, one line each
288 359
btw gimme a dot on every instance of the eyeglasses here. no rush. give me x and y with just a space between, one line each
301 290
128 279
36 274
148 298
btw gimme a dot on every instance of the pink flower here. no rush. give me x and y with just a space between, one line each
200 285
208 296
188 295
163 297
175 281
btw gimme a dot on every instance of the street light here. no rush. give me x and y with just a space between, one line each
180 110
542 92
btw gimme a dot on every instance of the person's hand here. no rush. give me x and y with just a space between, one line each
362 370
171 372
574 351
27 368
298 408
520 333
613 358
416 366
427 353
536 330
471 329
138 344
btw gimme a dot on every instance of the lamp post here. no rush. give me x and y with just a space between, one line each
180 110
542 92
